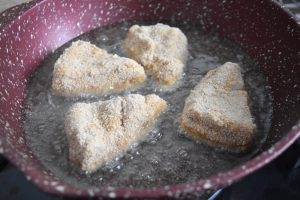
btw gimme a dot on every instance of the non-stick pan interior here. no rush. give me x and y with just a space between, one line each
272 41
167 155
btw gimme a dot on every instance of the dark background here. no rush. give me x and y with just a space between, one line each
279 180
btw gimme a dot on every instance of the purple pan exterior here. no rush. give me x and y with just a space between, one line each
29 32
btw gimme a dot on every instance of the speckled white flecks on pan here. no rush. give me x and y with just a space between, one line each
171 156
50 29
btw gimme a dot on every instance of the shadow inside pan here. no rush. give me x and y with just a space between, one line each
167 155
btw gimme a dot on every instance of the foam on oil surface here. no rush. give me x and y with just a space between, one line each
166 156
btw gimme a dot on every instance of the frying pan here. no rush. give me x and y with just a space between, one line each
265 31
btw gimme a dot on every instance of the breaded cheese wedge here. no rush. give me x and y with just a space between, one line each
98 132
161 49
217 110
84 68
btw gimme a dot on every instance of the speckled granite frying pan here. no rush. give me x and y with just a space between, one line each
269 35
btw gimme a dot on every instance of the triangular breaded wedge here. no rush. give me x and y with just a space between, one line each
161 49
98 132
217 109
84 68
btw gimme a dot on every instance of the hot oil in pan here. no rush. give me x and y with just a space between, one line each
166 156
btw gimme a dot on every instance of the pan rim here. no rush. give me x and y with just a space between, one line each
210 183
